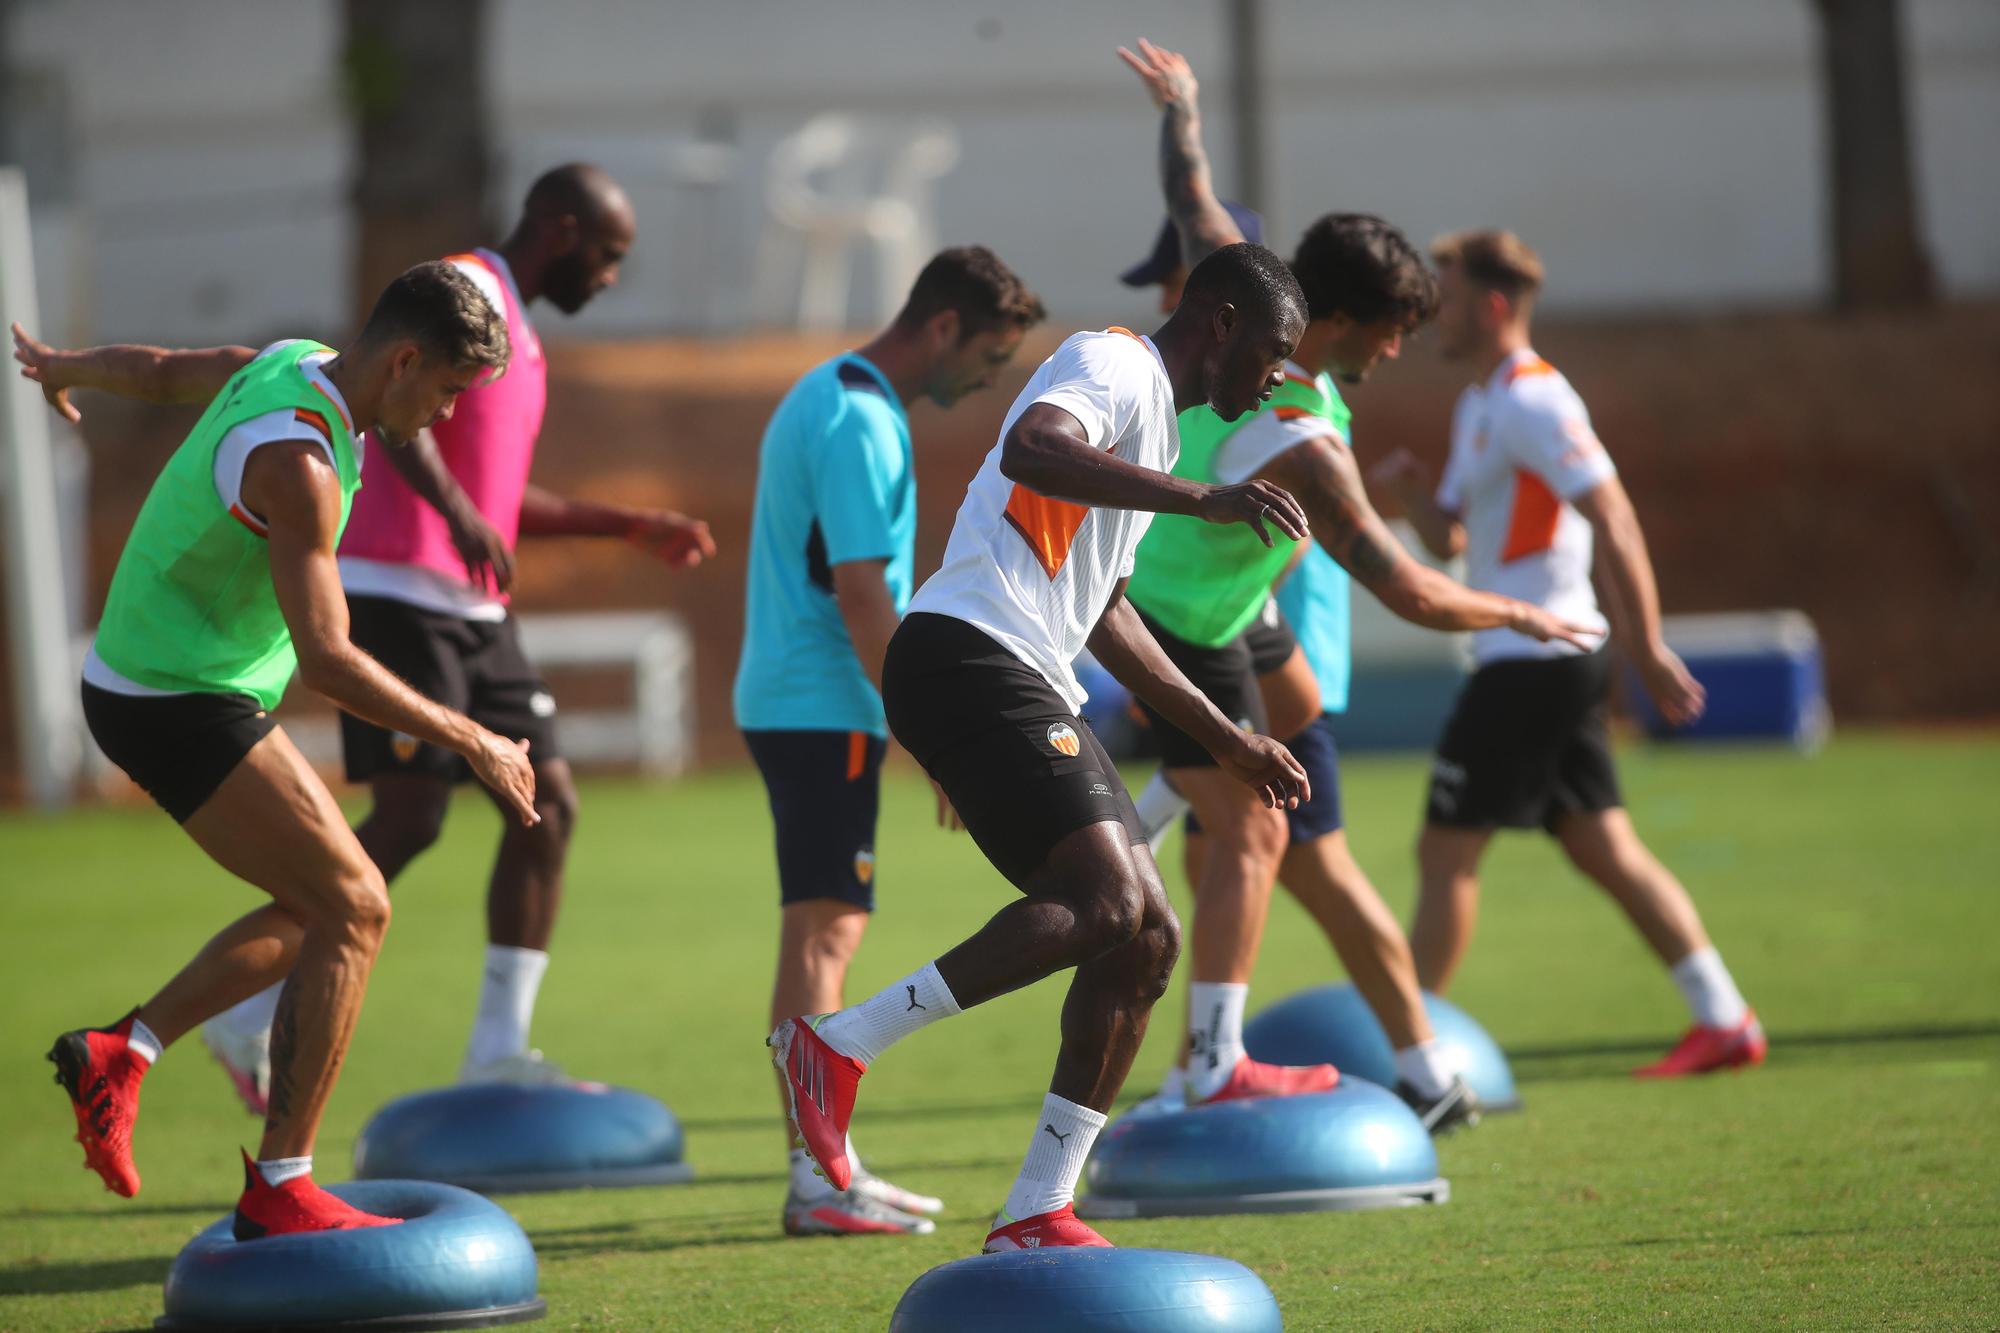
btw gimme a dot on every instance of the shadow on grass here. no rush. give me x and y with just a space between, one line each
58 1279
1592 1059
210 1211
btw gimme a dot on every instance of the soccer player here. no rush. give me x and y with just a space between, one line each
832 549
427 561
978 686
228 581
1205 595
1531 499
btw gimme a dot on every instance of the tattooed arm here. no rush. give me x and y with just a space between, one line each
1323 477
1204 224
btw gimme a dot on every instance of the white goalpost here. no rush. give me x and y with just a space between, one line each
46 724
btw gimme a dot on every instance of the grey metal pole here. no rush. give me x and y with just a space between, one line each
45 700
1246 68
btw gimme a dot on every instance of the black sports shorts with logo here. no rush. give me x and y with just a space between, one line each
1527 744
826 791
1227 675
178 747
474 666
1022 770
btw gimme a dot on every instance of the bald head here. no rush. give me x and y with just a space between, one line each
579 225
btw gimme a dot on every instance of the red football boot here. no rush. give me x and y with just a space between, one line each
1043 1231
819 1094
296 1205
1251 1078
101 1075
1705 1049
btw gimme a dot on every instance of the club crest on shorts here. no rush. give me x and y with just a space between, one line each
864 865
1063 737
404 747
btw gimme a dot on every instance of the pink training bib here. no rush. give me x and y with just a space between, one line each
488 446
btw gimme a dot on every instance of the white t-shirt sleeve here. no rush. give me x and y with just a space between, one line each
1102 384
233 454
1250 448
1550 435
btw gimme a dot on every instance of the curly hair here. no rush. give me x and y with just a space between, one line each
973 281
1357 265
1247 276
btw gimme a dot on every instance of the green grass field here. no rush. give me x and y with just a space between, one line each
1847 1184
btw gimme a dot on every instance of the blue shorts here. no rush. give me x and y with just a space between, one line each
1317 754
826 790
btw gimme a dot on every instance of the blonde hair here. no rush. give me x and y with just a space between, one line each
1499 261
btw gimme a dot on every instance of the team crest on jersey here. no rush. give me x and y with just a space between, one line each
405 747
864 865
1062 736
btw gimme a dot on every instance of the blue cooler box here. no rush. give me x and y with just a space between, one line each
1763 672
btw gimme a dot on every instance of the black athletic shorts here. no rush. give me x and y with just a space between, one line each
825 789
1270 639
1227 675
1022 770
179 747
1527 743
1316 752
474 666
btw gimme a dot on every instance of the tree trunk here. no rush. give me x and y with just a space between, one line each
1878 252
416 87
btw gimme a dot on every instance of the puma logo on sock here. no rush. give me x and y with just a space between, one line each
913 999
1050 1130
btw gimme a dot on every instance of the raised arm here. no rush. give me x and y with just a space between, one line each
1632 601
149 374
1134 658
1403 476
291 484
678 540
1048 451
1204 224
1323 475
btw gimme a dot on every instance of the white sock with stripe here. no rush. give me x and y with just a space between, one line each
143 1044
281 1169
509 984
1215 1034
1159 806
865 1030
1709 990
1063 1138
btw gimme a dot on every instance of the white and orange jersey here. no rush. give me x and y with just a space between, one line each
1521 449
1036 573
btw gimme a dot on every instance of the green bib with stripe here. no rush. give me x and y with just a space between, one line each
1205 582
191 607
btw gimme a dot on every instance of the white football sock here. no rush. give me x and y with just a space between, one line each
512 979
1173 1088
806 1182
1423 1067
1159 806
142 1043
1709 990
1215 1034
865 1030
1055 1158
252 1017
281 1169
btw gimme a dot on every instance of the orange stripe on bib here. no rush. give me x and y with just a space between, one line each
1048 526
1531 528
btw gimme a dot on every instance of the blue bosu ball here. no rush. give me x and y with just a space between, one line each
1357 1146
455 1261
1085 1290
1334 1025
496 1138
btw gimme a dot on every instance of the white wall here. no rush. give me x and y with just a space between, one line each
1660 155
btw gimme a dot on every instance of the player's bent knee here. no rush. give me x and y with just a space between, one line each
364 907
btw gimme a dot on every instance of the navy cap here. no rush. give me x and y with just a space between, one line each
1166 256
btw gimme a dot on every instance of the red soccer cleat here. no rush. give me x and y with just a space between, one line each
101 1076
296 1205
1043 1231
819 1094
1252 1078
1705 1049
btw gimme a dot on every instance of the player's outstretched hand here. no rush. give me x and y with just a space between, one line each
1166 74
1255 502
681 542
1674 690
38 363
1268 769
1545 626
503 765
483 549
